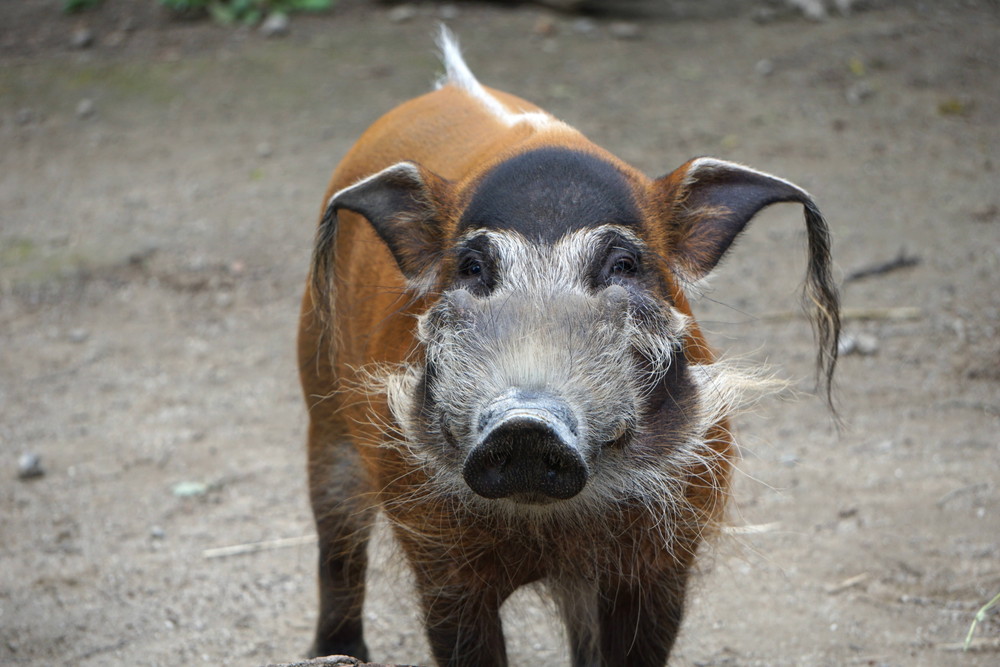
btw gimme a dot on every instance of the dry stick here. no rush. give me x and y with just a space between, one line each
902 261
893 313
850 582
982 644
752 529
961 491
254 547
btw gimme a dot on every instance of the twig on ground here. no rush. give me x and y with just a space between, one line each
891 313
254 547
961 491
850 582
753 529
902 261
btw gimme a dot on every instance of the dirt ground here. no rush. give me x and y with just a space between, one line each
158 192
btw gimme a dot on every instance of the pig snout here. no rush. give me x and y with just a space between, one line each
527 449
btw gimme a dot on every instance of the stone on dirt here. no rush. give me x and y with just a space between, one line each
29 466
275 25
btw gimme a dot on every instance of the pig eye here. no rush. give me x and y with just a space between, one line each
474 273
624 265
470 267
621 263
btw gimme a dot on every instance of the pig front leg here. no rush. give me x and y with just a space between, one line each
622 622
638 622
462 621
343 525
466 632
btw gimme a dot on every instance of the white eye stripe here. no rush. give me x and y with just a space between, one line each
524 265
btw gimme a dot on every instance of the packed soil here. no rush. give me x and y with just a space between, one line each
159 186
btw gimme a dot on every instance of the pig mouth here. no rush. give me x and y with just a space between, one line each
535 499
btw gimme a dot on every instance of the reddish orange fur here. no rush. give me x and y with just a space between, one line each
451 135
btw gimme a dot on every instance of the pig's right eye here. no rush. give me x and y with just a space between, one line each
470 267
474 274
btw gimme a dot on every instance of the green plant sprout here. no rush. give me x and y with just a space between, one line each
980 617
245 11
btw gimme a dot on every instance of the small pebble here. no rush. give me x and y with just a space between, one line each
764 67
82 38
624 30
862 344
859 92
189 489
264 149
584 26
789 460
78 335
29 466
157 533
275 25
24 116
814 10
402 14
85 108
545 26
448 12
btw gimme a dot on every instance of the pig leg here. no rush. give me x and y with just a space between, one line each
639 622
343 525
578 606
463 624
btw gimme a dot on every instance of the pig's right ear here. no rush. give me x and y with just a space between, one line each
709 202
403 203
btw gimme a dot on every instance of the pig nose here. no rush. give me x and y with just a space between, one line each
527 446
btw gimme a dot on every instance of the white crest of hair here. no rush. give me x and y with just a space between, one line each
458 74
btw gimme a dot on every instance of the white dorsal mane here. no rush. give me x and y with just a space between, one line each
458 74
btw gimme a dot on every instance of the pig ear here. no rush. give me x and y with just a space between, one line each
709 202
402 204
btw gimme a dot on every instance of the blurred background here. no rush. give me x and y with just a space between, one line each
162 165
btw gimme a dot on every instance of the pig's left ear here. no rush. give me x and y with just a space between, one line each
404 204
708 202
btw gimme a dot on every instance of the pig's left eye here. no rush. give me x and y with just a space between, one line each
621 263
624 265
